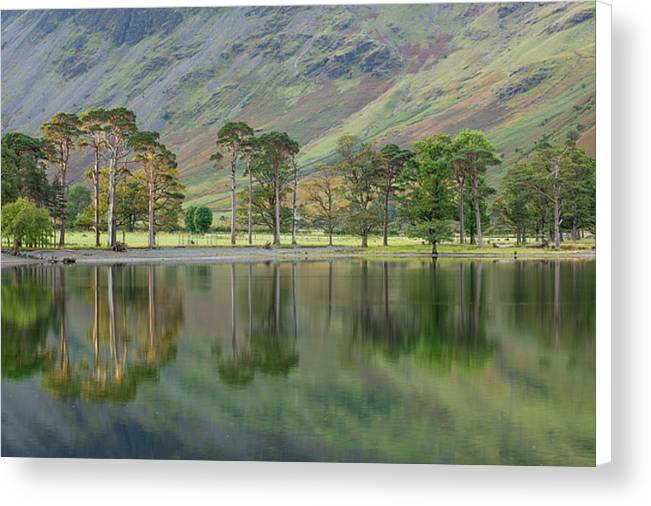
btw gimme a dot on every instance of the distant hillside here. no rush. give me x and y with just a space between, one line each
388 73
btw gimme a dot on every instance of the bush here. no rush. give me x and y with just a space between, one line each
202 219
24 223
189 218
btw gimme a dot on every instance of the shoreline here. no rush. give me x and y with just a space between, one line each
252 254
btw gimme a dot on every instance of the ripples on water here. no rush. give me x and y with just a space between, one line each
449 362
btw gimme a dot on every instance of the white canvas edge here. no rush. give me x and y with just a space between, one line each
603 294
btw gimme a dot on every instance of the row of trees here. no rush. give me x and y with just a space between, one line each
424 191
129 167
358 191
424 184
360 187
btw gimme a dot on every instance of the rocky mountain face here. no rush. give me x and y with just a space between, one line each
389 73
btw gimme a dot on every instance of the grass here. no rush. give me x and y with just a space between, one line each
398 245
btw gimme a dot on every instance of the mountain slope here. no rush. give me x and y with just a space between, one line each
388 73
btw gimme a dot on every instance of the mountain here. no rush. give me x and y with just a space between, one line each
390 73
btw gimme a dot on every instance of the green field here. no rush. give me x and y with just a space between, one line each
305 238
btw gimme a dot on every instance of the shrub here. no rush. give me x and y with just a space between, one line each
24 223
202 219
189 218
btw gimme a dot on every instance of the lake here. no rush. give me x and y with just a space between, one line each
452 361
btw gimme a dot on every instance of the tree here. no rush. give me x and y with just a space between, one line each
23 169
59 137
514 206
324 207
276 150
202 219
79 198
120 124
579 193
471 218
24 223
230 139
188 218
543 174
159 175
360 168
394 162
427 203
473 154
93 125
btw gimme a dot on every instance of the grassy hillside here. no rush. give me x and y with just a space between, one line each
389 73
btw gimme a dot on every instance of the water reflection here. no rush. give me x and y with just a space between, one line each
269 344
414 361
435 317
129 336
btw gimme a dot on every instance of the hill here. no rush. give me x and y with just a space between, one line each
390 73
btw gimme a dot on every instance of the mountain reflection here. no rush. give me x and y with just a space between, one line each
129 336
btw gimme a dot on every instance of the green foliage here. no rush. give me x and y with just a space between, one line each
273 163
159 176
188 218
79 198
553 188
361 169
59 137
24 223
23 171
202 219
428 202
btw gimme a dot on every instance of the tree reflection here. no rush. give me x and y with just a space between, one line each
27 305
429 328
269 346
130 337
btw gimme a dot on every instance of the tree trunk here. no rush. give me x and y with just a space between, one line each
62 234
475 198
435 251
111 205
330 238
557 223
277 205
152 223
364 239
462 213
575 233
250 213
96 197
294 205
233 197
385 234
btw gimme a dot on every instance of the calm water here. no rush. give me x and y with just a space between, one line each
448 362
